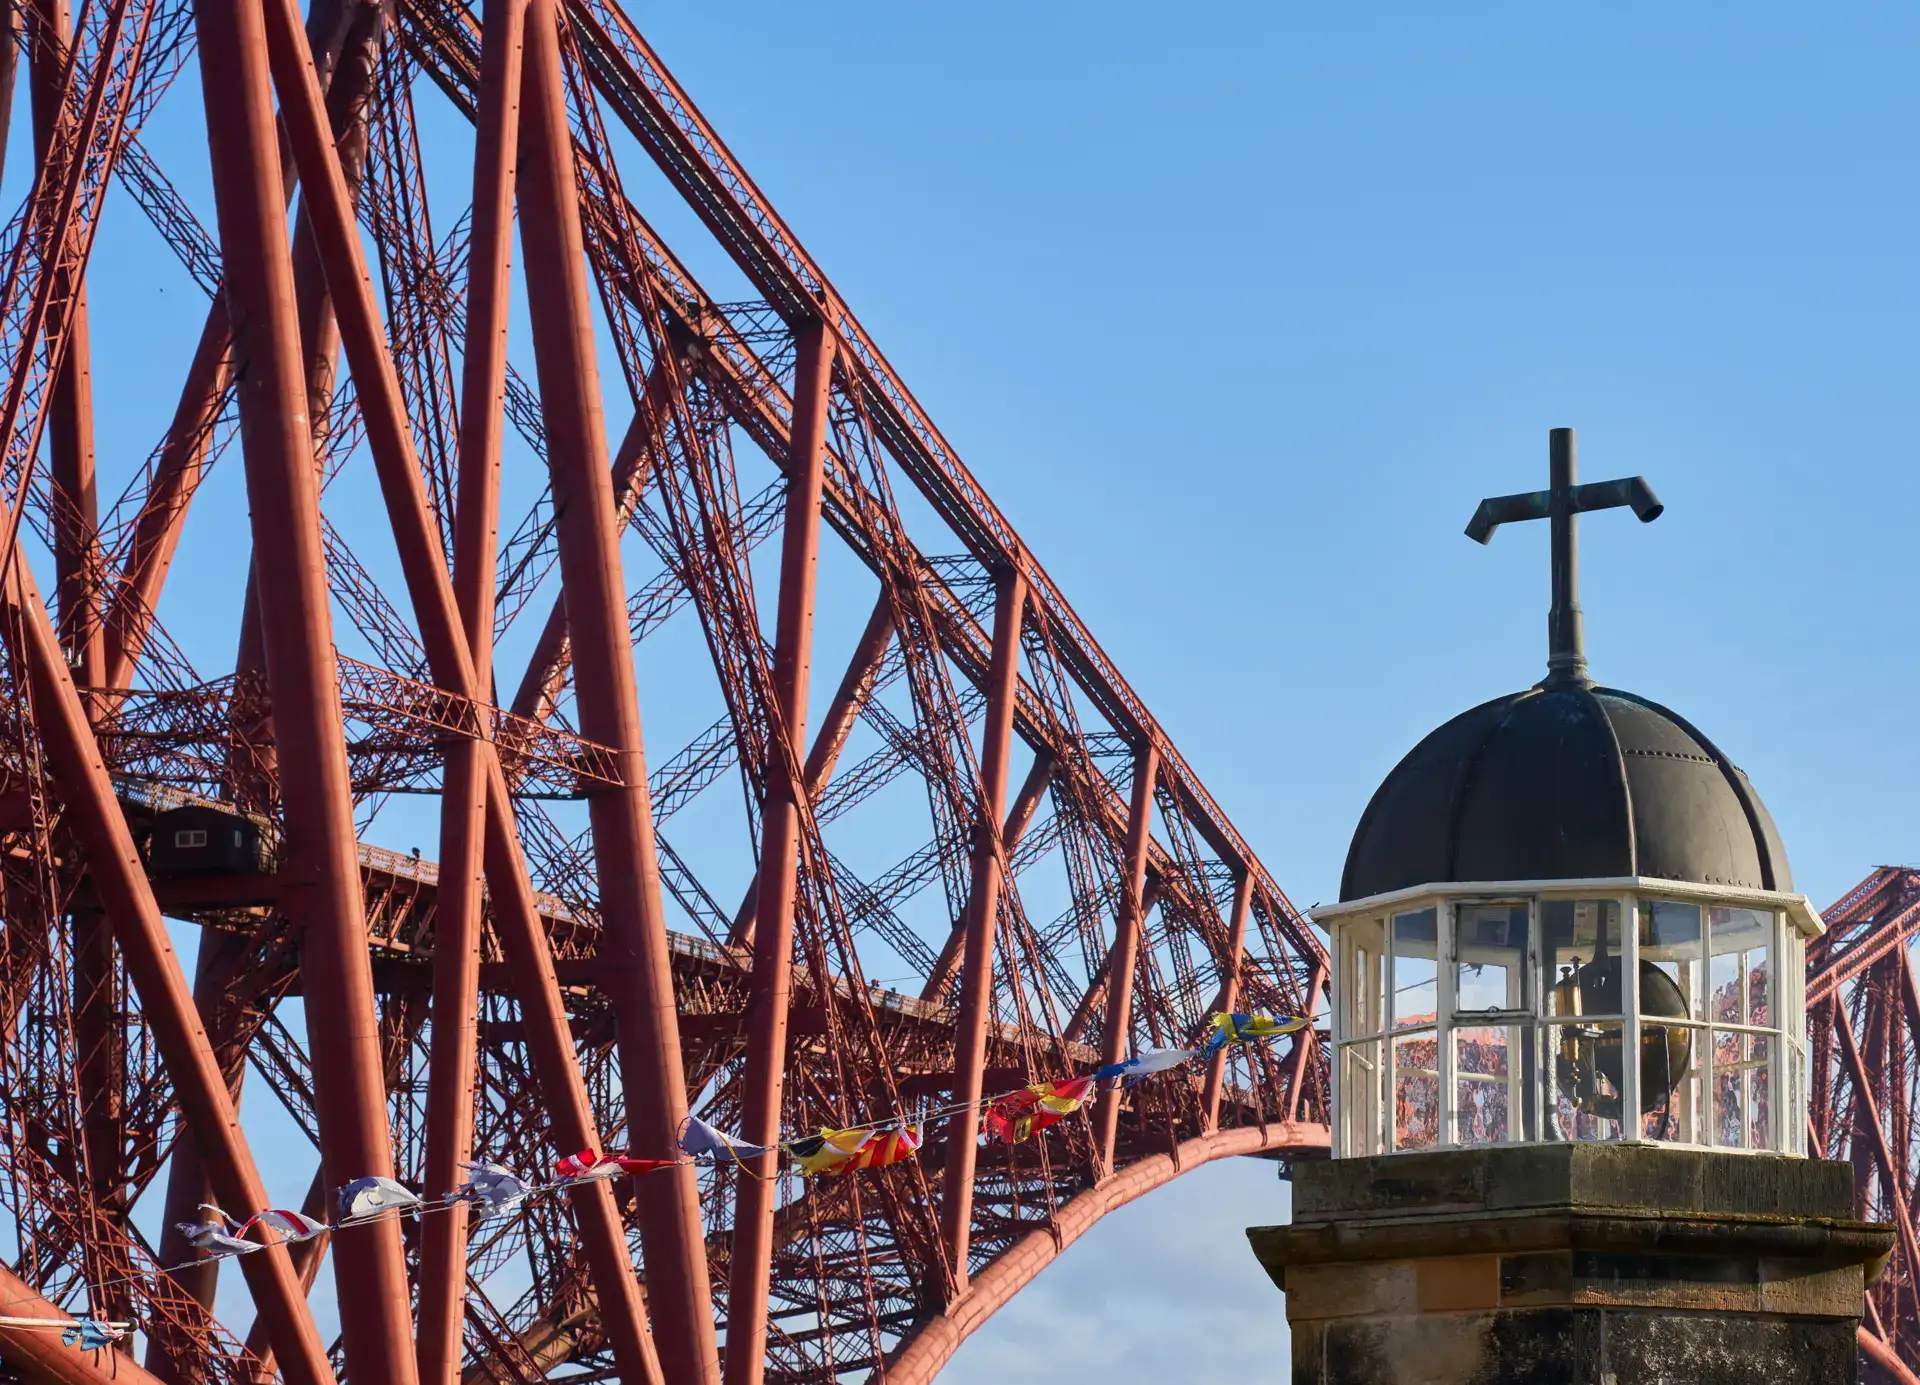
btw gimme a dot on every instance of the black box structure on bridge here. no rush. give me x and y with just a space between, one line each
200 840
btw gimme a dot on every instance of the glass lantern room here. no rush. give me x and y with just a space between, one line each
1504 1013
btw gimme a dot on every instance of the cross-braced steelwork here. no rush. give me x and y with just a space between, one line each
969 859
1863 1025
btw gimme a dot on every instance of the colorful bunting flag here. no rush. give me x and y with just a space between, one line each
214 1236
588 1167
292 1226
891 1146
1063 1098
584 1167
830 1151
1143 1064
841 1151
698 1140
371 1196
1023 1114
492 1190
1245 1029
635 1167
90 1334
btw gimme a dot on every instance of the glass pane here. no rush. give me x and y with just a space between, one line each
1490 957
1586 1080
1416 1090
1366 976
1669 1086
1739 966
1489 1070
1741 1107
1580 956
1415 992
1360 1082
1670 946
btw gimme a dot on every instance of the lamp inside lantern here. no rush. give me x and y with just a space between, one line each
1589 1066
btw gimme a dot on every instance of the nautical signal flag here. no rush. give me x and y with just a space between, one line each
90 1334
588 1167
840 1151
894 1146
213 1235
1143 1064
370 1196
491 1189
698 1140
1246 1029
1023 1114
292 1226
830 1151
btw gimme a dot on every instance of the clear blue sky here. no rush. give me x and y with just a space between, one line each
1238 309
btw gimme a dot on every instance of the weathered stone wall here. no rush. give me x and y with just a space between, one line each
1573 1264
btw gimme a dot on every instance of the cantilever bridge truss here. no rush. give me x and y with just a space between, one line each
465 539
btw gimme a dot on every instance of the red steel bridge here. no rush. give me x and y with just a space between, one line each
458 572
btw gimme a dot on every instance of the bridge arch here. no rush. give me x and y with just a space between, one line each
932 1344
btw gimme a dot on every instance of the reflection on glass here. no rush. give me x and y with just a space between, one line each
1742 1116
1669 1097
1670 940
1580 956
1416 1090
1415 973
1739 966
1490 958
1487 1083
1760 1091
1586 1087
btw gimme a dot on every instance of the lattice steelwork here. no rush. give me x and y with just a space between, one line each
596 946
1863 1029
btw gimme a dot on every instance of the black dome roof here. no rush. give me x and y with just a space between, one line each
1564 783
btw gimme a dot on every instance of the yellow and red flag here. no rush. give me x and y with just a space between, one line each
894 1146
1023 1114
838 1151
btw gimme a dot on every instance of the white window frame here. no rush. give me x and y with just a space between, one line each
1358 1132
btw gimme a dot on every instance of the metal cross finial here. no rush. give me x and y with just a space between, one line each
1562 503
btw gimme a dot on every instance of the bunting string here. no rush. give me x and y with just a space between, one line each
490 1190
